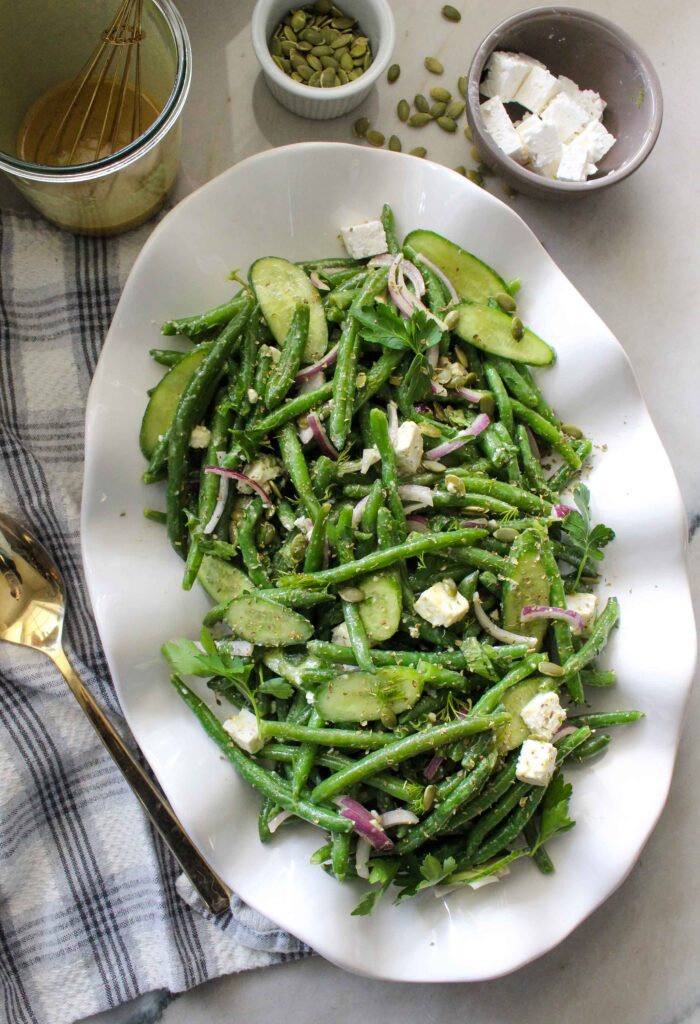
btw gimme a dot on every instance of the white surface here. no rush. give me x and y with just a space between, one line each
292 203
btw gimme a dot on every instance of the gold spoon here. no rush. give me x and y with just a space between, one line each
32 609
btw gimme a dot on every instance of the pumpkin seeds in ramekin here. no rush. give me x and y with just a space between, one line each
322 47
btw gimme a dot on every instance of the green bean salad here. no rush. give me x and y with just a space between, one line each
364 476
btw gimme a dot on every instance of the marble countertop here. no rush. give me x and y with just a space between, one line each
632 252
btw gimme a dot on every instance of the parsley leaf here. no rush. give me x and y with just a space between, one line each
276 688
415 384
383 872
186 659
578 527
555 811
382 325
492 867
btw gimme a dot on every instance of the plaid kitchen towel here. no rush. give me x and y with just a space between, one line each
90 914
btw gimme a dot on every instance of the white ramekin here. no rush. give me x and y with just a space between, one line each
376 21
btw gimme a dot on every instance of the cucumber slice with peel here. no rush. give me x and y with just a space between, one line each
490 330
526 583
515 732
279 287
380 610
471 277
265 623
165 397
221 580
365 696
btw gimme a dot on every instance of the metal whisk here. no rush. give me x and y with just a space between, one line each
97 121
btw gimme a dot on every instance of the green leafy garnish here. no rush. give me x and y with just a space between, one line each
384 326
555 811
383 872
578 526
276 688
186 659
493 867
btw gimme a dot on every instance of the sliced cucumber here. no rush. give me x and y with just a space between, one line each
365 696
491 330
221 580
265 623
380 610
471 278
526 583
163 401
279 287
515 732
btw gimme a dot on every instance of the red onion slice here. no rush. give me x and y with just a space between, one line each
366 824
318 283
275 822
410 270
489 626
432 355
321 437
480 424
417 493
432 767
566 730
560 511
358 511
404 300
233 474
533 443
417 524
220 500
392 414
532 612
362 852
323 364
439 273
469 394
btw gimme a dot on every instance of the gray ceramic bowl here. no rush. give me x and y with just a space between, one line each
596 54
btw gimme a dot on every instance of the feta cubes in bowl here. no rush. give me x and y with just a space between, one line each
562 102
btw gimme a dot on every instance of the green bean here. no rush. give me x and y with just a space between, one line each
313 560
593 746
560 480
293 458
511 829
542 860
531 464
606 719
562 631
597 640
370 514
166 356
490 700
296 598
305 757
598 677
249 357
549 432
329 262
476 503
344 382
247 546
519 387
389 225
541 407
351 613
468 787
292 410
340 855
378 374
155 515
380 432
343 294
486 824
267 782
282 375
494 448
514 496
487 798
268 809
191 406
191 326
339 655
262 372
401 750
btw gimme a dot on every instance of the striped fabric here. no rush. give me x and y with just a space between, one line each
91 910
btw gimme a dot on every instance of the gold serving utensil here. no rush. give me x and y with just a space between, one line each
32 610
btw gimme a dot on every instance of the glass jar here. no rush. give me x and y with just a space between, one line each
44 43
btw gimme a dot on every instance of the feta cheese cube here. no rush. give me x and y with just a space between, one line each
536 762
243 730
566 115
586 605
538 88
505 73
340 635
500 128
408 448
592 103
543 715
442 604
199 438
362 240
573 165
542 144
597 140
369 457
262 470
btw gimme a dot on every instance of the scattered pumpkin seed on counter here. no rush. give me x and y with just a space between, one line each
322 47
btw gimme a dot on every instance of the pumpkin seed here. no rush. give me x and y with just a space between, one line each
506 534
403 110
327 79
462 86
322 51
550 668
462 357
358 48
467 133
475 154
434 467
275 47
361 126
352 75
429 794
421 104
419 151
331 34
475 177
287 48
295 59
343 23
303 47
461 169
346 62
352 595
296 77
487 405
429 430
572 431
419 120
433 65
395 143
314 63
455 484
437 110
508 190
305 71
456 108
313 36
290 34
440 95
342 76
315 78
375 138
448 124
367 61
342 40
451 13
506 302
387 717
329 62
516 328
298 21
393 73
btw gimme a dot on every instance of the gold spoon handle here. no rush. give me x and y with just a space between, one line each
213 891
